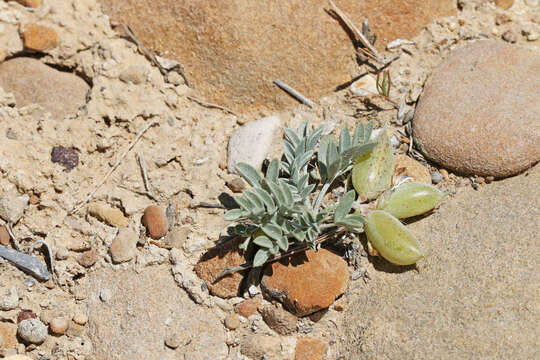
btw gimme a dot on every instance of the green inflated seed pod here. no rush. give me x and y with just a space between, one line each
410 199
372 173
392 239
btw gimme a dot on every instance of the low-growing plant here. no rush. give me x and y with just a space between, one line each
287 208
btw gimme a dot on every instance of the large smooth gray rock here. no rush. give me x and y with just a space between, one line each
474 296
33 82
479 112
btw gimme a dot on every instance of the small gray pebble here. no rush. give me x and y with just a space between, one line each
105 295
10 300
173 341
29 282
61 253
253 290
436 177
32 331
395 142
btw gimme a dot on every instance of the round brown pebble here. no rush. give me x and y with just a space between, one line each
232 322
58 325
88 258
80 318
236 185
156 223
4 236
30 3
39 38
444 174
248 307
34 199
49 284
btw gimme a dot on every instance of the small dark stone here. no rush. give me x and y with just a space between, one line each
509 36
25 314
67 157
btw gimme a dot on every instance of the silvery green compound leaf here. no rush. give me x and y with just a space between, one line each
272 230
233 215
358 137
260 257
267 199
249 173
283 243
263 241
314 138
344 206
344 139
276 192
256 202
272 172
292 137
244 244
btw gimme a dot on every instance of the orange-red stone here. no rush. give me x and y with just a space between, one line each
307 282
308 348
156 222
218 259
39 37
248 307
30 3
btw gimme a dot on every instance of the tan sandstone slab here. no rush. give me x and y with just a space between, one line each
142 310
474 296
234 50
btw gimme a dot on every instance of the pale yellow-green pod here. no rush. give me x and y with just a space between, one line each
410 199
392 239
372 173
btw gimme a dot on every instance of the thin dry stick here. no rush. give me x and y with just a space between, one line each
143 49
208 205
361 36
294 93
149 54
212 106
149 192
321 239
15 241
118 162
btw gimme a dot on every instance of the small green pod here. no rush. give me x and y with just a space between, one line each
372 173
410 199
392 239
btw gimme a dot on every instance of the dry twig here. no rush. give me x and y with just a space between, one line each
304 247
15 241
211 106
294 93
208 205
149 192
163 246
372 51
149 54
118 162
